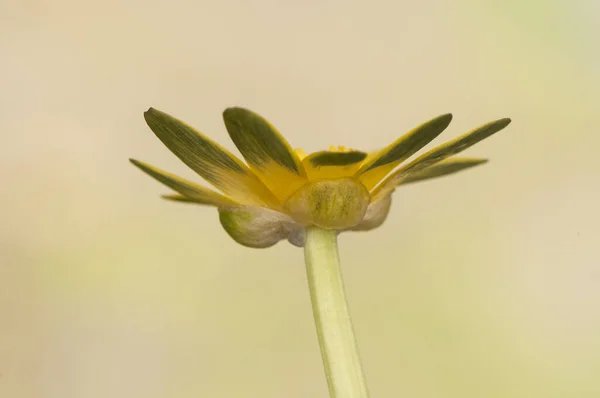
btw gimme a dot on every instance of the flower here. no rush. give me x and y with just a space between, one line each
279 191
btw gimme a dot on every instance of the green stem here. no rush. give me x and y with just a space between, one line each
339 351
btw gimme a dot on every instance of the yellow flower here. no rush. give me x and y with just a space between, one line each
280 191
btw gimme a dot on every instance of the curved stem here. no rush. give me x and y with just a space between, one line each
343 369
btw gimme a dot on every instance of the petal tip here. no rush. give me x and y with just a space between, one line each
233 110
135 162
175 198
150 111
153 117
145 167
446 118
140 165
150 117
500 123
443 120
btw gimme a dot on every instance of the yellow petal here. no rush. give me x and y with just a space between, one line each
207 158
386 160
440 153
266 151
326 164
196 193
443 168
300 153
181 198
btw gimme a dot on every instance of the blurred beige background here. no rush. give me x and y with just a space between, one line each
486 284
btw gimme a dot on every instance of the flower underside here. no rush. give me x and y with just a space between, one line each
279 191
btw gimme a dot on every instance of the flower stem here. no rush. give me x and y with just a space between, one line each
343 369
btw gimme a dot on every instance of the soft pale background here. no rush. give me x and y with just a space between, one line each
485 284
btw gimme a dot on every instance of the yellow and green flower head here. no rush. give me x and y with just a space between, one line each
279 192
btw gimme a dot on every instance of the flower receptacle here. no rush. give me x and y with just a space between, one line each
329 204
